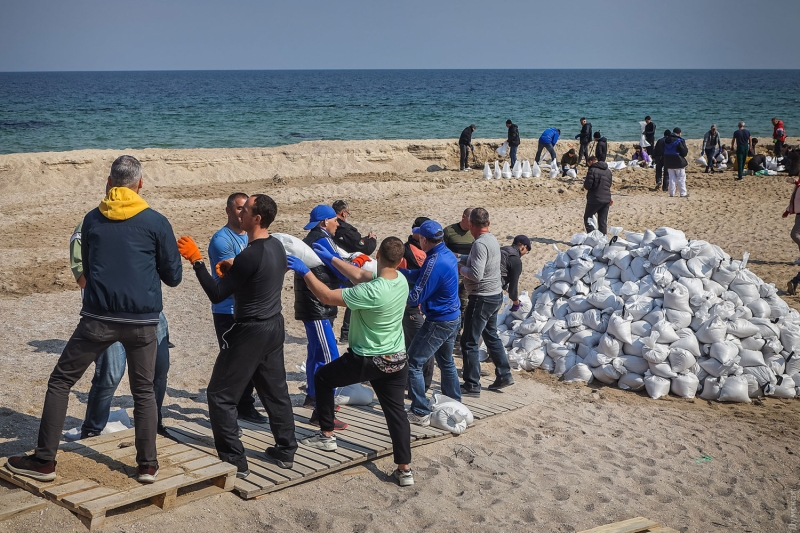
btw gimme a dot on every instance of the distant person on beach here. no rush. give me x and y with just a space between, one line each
128 250
598 195
376 352
513 140
511 267
753 145
641 156
601 146
757 163
569 161
547 141
711 143
675 152
742 143
662 178
721 158
584 138
794 209
791 160
649 134
778 136
464 146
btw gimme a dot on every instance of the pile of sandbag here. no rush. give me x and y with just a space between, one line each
656 311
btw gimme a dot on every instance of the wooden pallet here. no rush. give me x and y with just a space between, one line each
634 525
366 438
17 502
186 474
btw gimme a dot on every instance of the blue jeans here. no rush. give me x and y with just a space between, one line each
433 339
480 320
513 154
108 371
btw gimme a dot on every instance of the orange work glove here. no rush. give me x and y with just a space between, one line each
188 249
360 260
223 267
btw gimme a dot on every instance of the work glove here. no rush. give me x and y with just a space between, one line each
324 254
188 249
294 263
785 214
515 307
223 267
360 260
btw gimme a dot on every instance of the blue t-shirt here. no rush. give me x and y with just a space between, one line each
742 138
225 244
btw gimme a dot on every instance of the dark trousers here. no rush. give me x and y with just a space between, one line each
389 388
464 160
709 158
583 152
741 157
480 320
91 338
549 148
252 351
413 319
463 297
344 333
661 174
601 210
649 149
223 323
778 149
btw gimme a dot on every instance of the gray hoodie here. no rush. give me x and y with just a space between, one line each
482 271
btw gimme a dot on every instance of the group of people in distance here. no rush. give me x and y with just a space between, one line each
443 286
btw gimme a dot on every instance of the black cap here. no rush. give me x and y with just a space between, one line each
419 221
522 239
597 135
508 122
676 130
473 126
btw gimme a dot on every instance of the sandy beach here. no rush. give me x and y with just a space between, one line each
576 458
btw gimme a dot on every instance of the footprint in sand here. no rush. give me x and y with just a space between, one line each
561 494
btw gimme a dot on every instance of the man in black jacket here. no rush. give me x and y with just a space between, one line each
127 250
675 152
464 145
662 180
598 195
649 134
511 267
513 140
584 137
600 148
350 240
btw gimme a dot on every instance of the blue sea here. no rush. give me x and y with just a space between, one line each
57 111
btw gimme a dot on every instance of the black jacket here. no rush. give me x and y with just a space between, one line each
792 162
124 262
585 136
350 240
658 150
675 152
757 162
650 132
598 183
513 135
601 149
510 270
466 136
306 305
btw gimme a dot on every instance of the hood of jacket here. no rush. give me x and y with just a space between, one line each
122 203
602 165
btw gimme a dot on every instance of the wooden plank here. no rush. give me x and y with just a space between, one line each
91 442
634 525
58 492
663 530
303 455
72 501
354 438
345 451
19 502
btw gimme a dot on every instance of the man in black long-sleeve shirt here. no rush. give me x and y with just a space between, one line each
253 348
511 267
584 137
464 145
649 134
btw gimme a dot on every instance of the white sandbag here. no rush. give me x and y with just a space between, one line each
560 287
742 328
656 386
620 327
666 333
701 160
672 242
587 336
356 394
724 352
778 308
681 360
631 381
662 370
763 374
790 336
296 247
574 320
753 343
655 316
734 389
448 419
609 373
526 169
506 173
784 388
725 273
506 337
579 372
533 360
769 330
639 306
603 298
498 174
709 285
760 308
595 319
678 319
640 328
579 304
792 365
635 364
440 400
679 269
716 368
776 362
572 173
712 330
609 346
711 388
536 171
487 171
745 284
525 306
751 358
547 364
516 172
502 150
687 341
564 364
685 385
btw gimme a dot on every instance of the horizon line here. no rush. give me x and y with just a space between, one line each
396 70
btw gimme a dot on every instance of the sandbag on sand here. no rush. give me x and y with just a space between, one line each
734 389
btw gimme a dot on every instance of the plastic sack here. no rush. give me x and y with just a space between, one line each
656 386
487 171
572 173
356 394
579 372
701 160
711 388
620 328
725 352
784 388
516 172
299 249
440 400
506 170
662 369
502 150
553 170
713 330
681 360
498 174
685 385
687 341
448 419
609 373
671 242
525 306
526 169
631 381
734 389
536 171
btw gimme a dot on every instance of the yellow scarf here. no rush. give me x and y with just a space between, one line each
121 203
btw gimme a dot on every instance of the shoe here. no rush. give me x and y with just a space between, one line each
30 466
162 430
87 434
320 441
253 416
404 477
338 425
685 195
672 196
309 402
791 288
414 418
344 339
739 178
269 453
469 393
241 474
501 383
147 474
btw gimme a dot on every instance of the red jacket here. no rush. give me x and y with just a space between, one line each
779 132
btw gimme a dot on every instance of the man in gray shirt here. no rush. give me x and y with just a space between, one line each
481 272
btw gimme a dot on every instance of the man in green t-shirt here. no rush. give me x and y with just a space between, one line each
459 240
377 348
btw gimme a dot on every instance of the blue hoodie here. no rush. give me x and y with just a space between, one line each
436 285
549 136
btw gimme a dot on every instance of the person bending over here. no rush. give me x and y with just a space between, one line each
598 195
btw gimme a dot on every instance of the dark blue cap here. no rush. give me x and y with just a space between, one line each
318 214
430 229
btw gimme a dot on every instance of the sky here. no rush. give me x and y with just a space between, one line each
59 35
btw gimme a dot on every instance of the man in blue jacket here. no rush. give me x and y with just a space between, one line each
436 291
547 141
127 250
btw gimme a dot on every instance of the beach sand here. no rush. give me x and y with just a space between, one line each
577 457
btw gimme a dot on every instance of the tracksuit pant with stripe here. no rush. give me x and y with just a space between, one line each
322 350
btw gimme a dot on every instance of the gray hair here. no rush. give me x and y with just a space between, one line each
741 124
340 205
126 171
479 217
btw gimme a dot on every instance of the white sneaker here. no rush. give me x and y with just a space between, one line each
404 477
423 421
321 441
467 169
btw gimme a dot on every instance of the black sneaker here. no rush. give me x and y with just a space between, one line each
470 393
253 416
270 453
241 474
32 467
309 402
87 434
501 383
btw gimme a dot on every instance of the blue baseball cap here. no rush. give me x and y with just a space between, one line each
318 214
430 229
